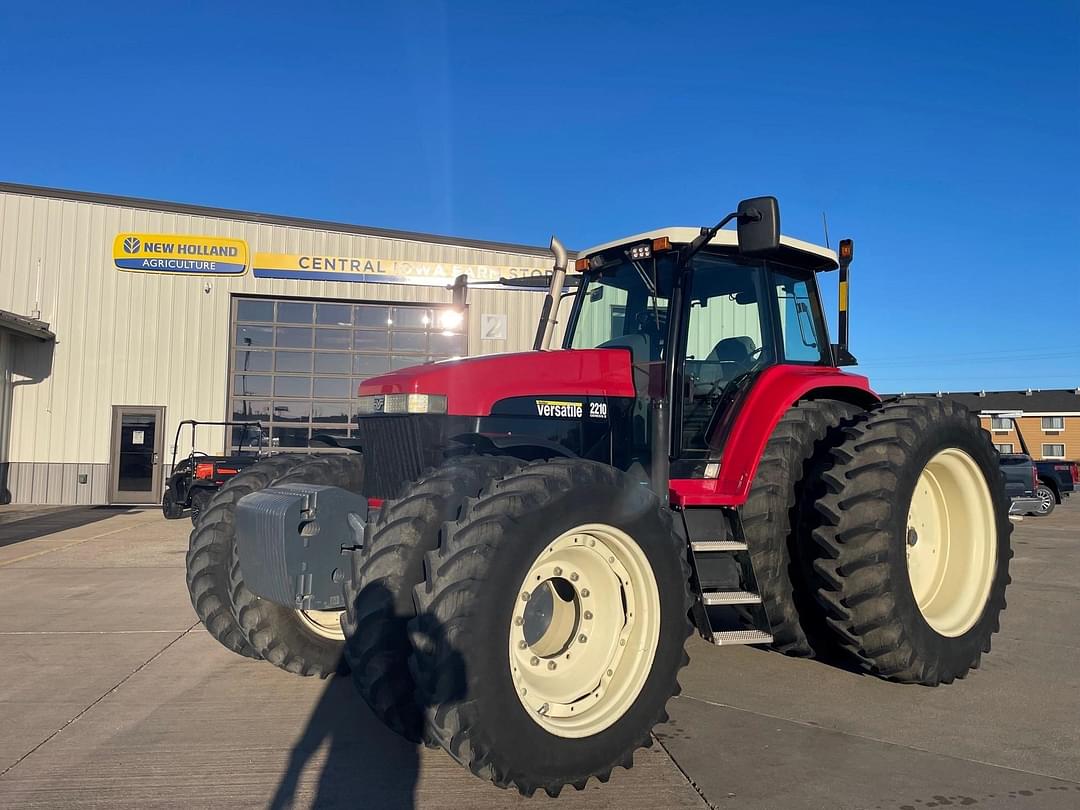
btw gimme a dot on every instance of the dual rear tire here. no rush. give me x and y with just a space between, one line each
913 541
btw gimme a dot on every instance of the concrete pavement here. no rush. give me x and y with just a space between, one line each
112 694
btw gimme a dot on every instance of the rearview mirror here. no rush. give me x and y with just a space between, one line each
759 225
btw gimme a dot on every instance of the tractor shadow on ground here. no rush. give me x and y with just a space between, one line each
366 764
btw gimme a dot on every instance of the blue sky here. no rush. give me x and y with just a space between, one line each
943 137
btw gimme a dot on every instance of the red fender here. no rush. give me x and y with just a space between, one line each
776 390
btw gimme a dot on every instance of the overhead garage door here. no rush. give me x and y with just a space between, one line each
296 364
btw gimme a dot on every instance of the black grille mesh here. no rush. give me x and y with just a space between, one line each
393 453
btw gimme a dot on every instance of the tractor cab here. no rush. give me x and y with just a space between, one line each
735 316
704 314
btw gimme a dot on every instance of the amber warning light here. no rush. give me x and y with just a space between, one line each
847 251
637 252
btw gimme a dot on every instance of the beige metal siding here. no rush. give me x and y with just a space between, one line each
128 338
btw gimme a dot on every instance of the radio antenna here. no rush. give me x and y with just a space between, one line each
825 225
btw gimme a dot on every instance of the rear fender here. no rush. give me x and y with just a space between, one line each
776 389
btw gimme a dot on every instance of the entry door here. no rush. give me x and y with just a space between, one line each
135 463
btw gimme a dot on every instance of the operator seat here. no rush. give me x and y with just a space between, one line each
732 350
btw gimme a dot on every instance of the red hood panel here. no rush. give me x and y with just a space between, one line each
474 384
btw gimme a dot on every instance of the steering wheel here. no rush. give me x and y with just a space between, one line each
753 357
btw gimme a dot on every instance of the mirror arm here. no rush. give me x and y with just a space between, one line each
703 239
707 234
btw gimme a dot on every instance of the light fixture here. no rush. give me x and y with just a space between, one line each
451 318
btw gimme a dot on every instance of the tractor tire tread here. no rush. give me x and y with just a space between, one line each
379 594
262 621
207 566
774 519
852 569
445 602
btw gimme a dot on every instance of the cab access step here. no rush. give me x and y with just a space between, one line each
729 609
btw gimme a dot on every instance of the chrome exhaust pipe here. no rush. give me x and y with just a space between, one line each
545 329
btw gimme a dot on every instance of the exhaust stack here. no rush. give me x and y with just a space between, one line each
546 328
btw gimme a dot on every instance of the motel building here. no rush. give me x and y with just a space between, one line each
1048 420
120 318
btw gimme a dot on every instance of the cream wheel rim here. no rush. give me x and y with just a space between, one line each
951 542
325 623
584 630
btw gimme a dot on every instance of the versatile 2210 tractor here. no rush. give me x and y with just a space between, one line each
555 524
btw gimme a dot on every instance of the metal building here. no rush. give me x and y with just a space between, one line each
120 317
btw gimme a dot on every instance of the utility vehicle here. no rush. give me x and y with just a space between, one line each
194 479
524 542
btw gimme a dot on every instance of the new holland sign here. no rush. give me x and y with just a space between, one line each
180 254
347 268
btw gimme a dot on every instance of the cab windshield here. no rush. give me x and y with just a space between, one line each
625 304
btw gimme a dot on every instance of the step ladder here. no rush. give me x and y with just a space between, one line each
729 608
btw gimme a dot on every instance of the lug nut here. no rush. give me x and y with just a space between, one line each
558 571
610 673
524 691
522 645
543 709
582 638
611 559
524 596
518 621
574 577
592 542
588 614
552 665
534 660
585 592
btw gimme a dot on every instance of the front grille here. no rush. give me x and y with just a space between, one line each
394 453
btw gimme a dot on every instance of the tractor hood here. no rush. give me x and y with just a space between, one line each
473 385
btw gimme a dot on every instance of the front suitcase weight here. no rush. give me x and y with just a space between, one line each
292 540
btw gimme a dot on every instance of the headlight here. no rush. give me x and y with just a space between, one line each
400 403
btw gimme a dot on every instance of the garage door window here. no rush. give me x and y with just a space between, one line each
296 364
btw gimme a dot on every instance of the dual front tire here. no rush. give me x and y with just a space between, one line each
550 610
298 641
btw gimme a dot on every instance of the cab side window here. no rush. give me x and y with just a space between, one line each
798 321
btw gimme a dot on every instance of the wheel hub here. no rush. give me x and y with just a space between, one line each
584 631
325 623
951 548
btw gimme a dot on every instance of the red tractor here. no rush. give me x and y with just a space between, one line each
524 542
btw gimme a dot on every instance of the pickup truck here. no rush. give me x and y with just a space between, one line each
1021 483
1057 481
